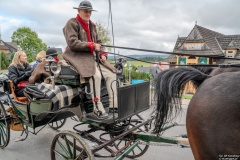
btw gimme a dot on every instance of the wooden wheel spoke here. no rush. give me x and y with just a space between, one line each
0 138
57 124
60 154
140 148
3 133
133 152
74 148
68 146
63 148
119 142
4 128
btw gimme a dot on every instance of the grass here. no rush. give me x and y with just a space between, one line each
140 64
3 70
187 96
136 63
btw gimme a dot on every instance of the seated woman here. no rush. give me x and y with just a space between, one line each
39 58
19 70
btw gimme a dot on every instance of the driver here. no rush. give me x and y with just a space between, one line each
82 51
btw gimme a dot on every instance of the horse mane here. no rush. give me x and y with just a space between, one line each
169 85
206 70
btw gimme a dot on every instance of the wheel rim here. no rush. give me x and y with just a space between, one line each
69 145
57 124
4 127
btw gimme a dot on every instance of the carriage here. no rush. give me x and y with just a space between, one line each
121 134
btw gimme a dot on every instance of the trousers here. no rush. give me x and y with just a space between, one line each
110 79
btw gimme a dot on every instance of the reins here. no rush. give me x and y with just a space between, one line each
171 53
196 65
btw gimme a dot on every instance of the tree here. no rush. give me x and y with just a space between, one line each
28 41
4 62
103 34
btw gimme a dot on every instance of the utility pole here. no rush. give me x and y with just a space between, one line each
130 69
0 33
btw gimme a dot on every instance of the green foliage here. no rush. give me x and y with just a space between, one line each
136 74
187 96
4 62
12 55
29 42
103 34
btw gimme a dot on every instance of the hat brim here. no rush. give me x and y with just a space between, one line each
84 8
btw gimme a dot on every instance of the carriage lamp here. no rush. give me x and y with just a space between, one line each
55 69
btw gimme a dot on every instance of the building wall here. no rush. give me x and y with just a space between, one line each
230 53
4 51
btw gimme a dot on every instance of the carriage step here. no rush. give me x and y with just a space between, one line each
92 117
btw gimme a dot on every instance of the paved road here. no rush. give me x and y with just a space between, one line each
37 147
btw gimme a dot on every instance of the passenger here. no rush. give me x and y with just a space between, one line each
83 43
19 71
40 74
41 56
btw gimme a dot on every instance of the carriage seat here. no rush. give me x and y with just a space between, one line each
19 99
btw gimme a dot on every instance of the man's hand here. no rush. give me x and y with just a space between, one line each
103 58
97 47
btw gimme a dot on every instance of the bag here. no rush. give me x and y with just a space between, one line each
22 84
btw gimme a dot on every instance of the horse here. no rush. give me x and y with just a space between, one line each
213 114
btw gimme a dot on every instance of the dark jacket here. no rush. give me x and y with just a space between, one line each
18 74
77 52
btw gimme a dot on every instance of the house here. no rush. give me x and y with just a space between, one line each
8 48
152 70
205 42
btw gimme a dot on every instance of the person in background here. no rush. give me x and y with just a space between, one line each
18 71
41 56
82 52
39 74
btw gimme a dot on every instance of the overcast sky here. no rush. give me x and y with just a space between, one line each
148 24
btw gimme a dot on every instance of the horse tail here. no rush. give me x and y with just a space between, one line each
169 85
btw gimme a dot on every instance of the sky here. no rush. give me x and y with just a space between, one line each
146 24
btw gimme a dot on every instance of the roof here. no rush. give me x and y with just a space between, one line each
179 42
11 46
144 69
209 37
229 41
171 58
152 70
200 34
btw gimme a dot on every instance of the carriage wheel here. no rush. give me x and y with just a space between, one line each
69 145
4 127
57 124
140 149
